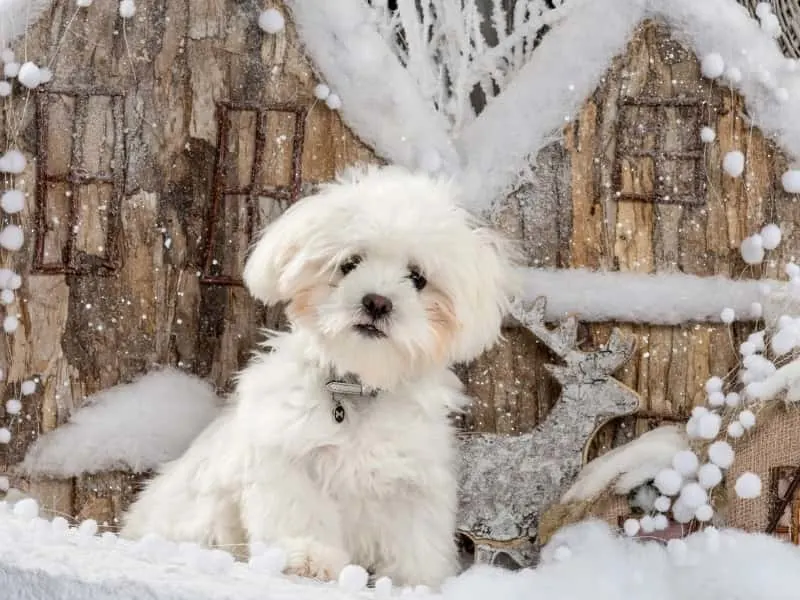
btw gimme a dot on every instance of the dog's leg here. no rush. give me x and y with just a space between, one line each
286 509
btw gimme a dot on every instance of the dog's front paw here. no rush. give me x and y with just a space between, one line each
308 558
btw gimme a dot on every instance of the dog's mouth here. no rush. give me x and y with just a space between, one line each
369 330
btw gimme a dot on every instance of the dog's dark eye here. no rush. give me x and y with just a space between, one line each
417 279
350 264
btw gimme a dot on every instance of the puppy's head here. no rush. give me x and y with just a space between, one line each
387 272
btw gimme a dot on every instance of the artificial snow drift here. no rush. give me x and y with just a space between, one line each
41 559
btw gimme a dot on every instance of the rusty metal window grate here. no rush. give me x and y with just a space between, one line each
80 181
657 164
258 169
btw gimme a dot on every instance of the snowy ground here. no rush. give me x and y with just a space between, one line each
41 559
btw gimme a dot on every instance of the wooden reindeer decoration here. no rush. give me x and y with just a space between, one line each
507 481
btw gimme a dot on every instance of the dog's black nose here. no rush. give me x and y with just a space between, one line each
376 306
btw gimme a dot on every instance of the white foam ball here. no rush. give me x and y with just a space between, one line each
763 9
631 527
5 435
88 528
46 74
709 475
681 512
10 324
733 163
704 513
647 524
7 297
127 8
756 310
383 588
693 495
747 349
11 69
271 20
733 399
791 181
668 482
5 484
562 553
735 429
721 454
26 509
7 55
771 25
784 341
782 94
12 238
13 161
28 387
712 65
83 3
662 504
5 89
748 486
792 270
716 399
727 316
321 91
752 250
757 339
708 426
29 75
747 419
333 102
699 411
353 578
12 201
707 135
685 462
13 406
713 384
660 522
733 74
59 525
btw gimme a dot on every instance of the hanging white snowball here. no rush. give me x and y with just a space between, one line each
668 482
708 426
4 483
763 9
660 522
647 524
727 316
10 324
333 102
26 509
693 495
5 89
12 201
631 527
707 135
748 486
7 297
704 513
756 310
11 69
733 163
713 384
7 55
752 249
383 588
662 504
771 25
685 462
681 512
757 339
46 75
127 8
699 411
88 528
13 162
747 348
747 419
271 20
29 75
321 91
733 74
28 387
12 237
709 475
791 181
783 342
792 270
83 3
781 94
13 406
5 435
733 399
721 454
353 578
712 65
735 430
716 399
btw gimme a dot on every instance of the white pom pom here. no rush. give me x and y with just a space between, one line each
791 181
7 297
747 419
727 316
13 406
333 102
699 411
83 3
714 384
712 65
46 75
5 89
733 74
792 271
5 435
685 462
735 429
660 522
10 324
757 339
321 91
662 504
756 310
353 578
693 495
59 525
716 399
271 20
681 512
748 486
707 135
11 69
733 399
763 9
668 482
721 454
771 25
747 348
13 161
88 528
5 484
12 238
631 527
12 201
127 8
383 588
782 94
708 426
709 475
29 75
562 553
28 387
7 55
26 509
704 513
784 341
647 524
752 249
733 163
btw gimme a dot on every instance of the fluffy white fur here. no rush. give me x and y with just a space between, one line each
378 489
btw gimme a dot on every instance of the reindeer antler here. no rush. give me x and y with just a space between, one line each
561 340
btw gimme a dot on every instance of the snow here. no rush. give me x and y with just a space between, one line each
11 69
693 495
26 509
748 486
712 65
707 135
631 527
9 280
5 89
662 504
713 384
721 454
12 201
135 426
127 8
708 426
791 181
5 435
733 163
663 299
271 21
12 238
704 513
29 75
756 310
716 399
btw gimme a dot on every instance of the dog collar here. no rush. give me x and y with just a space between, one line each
344 389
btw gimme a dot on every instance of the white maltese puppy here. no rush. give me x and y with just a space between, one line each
338 446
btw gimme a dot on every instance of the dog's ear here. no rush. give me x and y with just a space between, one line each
277 259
